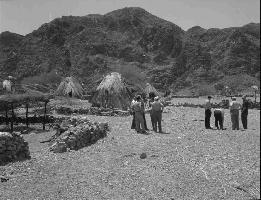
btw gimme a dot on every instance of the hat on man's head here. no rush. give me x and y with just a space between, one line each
244 96
156 98
234 98
209 97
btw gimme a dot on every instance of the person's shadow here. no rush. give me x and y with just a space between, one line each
163 133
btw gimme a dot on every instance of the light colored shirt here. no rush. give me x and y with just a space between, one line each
133 102
136 107
208 105
234 105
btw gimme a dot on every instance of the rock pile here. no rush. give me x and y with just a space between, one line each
78 133
12 147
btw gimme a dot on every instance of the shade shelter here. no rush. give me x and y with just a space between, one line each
11 101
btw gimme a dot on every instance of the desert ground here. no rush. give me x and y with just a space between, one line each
186 162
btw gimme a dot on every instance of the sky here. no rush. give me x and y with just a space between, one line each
24 16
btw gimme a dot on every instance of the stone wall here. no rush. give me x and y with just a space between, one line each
12 147
79 133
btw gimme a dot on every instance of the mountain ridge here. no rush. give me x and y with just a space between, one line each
141 46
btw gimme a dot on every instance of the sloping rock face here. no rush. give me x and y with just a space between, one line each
12 147
79 133
138 45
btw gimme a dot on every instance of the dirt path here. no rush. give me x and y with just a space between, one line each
187 162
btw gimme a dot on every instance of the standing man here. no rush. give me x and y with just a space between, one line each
157 109
151 100
143 100
244 112
138 114
234 112
208 113
219 118
133 113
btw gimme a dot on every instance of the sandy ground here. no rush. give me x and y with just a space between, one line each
187 162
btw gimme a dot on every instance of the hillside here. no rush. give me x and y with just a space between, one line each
137 44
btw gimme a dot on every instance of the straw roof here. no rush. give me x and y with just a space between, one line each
18 99
70 84
149 88
112 92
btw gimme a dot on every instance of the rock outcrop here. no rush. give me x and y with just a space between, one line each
13 147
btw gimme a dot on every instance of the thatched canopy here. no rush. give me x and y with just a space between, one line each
149 89
6 100
112 92
68 86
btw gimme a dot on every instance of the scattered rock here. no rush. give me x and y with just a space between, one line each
3 179
143 156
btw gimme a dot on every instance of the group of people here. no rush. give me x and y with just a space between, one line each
234 107
155 108
138 108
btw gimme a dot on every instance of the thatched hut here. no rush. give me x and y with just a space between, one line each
70 86
150 89
112 92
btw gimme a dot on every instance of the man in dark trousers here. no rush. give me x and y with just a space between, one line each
157 109
133 126
151 100
244 112
139 120
234 112
208 113
143 100
219 118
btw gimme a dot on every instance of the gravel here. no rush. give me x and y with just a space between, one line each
187 162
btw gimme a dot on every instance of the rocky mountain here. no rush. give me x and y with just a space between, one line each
140 46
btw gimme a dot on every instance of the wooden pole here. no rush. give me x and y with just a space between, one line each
26 115
12 118
45 103
6 115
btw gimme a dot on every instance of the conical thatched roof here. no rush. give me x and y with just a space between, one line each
70 85
149 88
112 92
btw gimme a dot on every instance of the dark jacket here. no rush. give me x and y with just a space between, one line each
244 108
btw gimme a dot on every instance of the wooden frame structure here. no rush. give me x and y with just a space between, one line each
9 101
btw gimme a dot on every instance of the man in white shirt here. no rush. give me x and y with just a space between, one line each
208 113
133 113
234 112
